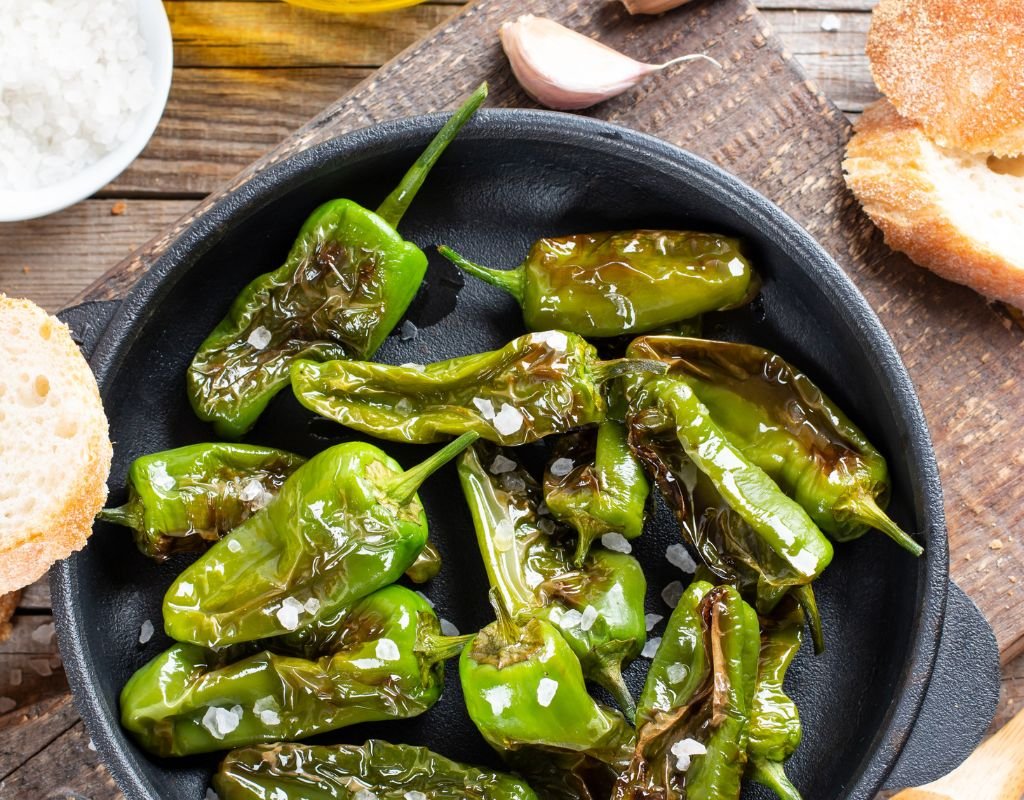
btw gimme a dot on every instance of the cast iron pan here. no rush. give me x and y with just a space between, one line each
512 177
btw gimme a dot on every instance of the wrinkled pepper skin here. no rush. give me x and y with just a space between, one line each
524 689
345 524
606 284
683 644
780 523
735 644
346 283
185 499
527 558
537 385
788 427
605 490
774 719
387 662
338 772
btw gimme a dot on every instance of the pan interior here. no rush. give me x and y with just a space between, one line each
493 194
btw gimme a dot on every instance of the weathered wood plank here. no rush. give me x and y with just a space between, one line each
51 259
232 34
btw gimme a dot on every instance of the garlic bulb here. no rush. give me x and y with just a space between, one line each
565 70
652 6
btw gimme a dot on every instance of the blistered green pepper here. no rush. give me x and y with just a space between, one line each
187 498
694 715
339 772
536 385
606 284
344 524
344 286
525 692
595 484
780 524
386 661
774 719
775 415
598 608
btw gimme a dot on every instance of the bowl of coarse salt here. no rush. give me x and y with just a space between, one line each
83 84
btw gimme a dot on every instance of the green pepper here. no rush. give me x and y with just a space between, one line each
339 772
734 643
780 525
525 692
774 719
595 484
787 426
386 662
346 283
344 524
606 284
186 499
694 712
598 608
536 385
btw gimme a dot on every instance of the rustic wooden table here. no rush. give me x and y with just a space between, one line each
248 72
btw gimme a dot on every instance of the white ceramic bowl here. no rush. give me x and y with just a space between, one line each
156 31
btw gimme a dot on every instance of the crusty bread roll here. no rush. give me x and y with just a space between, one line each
54 446
948 210
956 67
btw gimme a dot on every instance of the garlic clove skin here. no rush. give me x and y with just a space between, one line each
567 71
652 6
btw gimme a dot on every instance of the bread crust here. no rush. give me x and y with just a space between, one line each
66 526
885 168
956 67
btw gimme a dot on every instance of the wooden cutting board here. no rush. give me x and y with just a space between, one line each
760 118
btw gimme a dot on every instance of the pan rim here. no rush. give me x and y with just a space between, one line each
597 137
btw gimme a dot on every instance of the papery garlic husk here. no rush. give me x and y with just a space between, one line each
652 6
565 70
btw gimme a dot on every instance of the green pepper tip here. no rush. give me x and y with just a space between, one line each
864 508
434 648
771 775
407 483
605 371
804 595
510 280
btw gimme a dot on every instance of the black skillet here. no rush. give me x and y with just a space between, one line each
910 677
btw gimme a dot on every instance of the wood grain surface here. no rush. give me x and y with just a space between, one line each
760 117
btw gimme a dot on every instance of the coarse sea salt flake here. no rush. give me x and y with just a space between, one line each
678 556
588 618
485 407
508 420
288 613
387 650
499 698
502 464
671 594
561 467
409 331
448 628
364 794
676 673
251 490
259 338
312 605
211 795
504 535
650 620
651 647
146 631
546 690
43 634
571 619
234 546
221 721
617 542
415 796
831 23
683 750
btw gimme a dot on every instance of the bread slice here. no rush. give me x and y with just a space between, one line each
54 445
956 67
960 215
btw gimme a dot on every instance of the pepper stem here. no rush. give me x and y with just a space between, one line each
771 775
122 515
605 371
408 483
511 280
397 203
863 508
507 627
433 648
609 676
804 595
